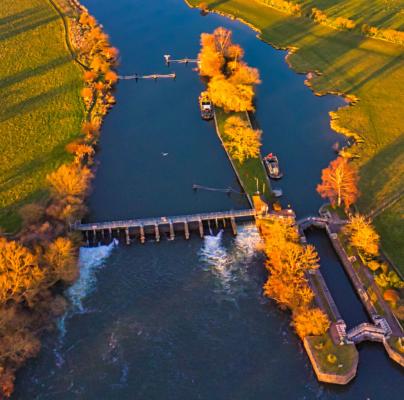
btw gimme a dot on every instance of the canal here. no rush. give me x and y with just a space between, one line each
343 292
187 319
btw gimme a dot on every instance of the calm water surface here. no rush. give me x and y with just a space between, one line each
187 319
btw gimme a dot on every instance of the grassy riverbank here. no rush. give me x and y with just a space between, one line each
252 168
348 63
41 109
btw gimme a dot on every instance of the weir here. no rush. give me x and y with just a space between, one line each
140 228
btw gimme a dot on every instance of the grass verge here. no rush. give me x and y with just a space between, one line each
41 108
252 169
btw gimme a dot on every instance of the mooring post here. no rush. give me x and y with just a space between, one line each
94 236
142 235
233 225
127 236
110 232
186 229
200 227
172 234
217 223
87 241
102 233
157 232
224 222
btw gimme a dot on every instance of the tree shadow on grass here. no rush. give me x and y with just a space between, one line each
383 174
28 73
26 27
34 102
23 14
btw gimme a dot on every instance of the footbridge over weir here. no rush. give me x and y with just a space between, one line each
139 228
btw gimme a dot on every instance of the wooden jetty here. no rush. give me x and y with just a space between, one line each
136 77
155 227
168 60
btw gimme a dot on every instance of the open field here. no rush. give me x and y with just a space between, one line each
252 168
379 13
41 109
370 69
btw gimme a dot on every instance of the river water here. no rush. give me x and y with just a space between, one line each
187 319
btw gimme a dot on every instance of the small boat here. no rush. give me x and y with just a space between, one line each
272 165
277 192
206 106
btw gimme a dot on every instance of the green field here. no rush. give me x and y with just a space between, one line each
41 109
379 13
252 168
370 69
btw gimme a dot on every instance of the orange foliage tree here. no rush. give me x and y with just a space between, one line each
339 183
69 180
242 142
230 96
362 235
20 274
310 322
61 257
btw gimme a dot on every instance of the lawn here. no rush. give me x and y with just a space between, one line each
252 168
370 69
40 105
322 346
392 233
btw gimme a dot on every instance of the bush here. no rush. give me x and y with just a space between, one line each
331 358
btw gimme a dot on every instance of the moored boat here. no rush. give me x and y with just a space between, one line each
272 166
206 106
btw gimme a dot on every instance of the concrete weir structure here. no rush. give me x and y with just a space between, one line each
155 227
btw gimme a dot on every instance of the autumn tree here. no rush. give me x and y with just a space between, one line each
31 213
362 235
69 180
242 74
339 183
242 142
111 77
231 96
311 321
211 61
61 258
20 273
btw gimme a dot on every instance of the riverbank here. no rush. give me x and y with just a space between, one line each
41 108
366 69
41 259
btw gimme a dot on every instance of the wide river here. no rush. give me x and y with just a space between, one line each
187 319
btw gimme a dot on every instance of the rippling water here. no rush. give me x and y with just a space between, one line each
187 319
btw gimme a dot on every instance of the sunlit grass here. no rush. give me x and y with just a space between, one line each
349 63
40 110
252 169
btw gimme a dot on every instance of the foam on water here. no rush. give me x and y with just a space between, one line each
228 263
90 260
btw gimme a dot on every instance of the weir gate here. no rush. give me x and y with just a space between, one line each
139 229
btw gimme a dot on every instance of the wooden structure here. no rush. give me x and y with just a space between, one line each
155 227
168 60
136 77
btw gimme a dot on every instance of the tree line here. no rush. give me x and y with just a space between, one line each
42 258
230 85
288 262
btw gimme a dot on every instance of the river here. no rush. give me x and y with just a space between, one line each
187 319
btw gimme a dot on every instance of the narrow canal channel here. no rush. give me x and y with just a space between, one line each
343 293
187 319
